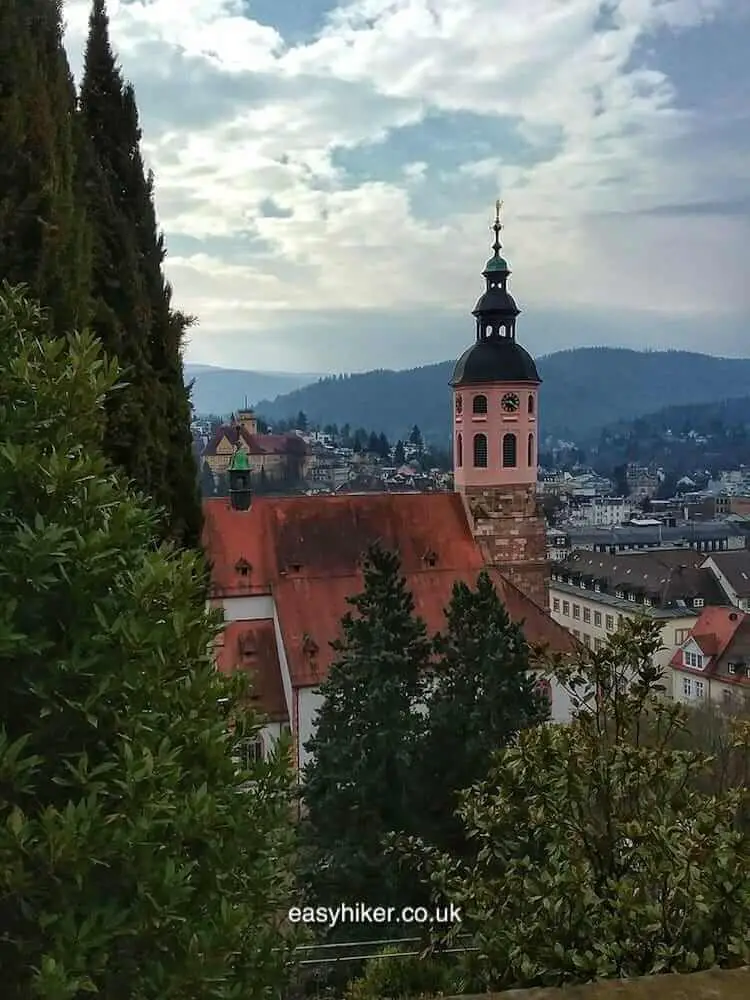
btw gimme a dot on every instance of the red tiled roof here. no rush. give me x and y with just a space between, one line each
250 646
310 612
714 631
307 552
256 444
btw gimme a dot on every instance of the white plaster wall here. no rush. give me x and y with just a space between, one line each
270 734
561 708
309 701
248 609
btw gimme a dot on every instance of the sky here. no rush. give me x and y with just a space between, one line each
326 173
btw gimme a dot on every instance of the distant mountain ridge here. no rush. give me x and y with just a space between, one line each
584 390
222 390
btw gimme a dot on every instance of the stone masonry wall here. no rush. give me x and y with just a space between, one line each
508 525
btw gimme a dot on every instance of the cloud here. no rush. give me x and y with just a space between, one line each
334 171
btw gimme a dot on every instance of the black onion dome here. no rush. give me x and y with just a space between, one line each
496 300
496 359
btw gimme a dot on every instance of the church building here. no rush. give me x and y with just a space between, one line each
282 567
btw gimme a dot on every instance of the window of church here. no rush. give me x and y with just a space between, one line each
459 450
509 451
531 404
480 451
530 456
479 406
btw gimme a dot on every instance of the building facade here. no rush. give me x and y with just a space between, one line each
592 593
272 456
713 662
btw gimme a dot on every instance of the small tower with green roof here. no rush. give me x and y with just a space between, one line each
240 494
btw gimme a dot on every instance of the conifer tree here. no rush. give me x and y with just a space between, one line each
43 233
134 860
149 432
483 695
358 787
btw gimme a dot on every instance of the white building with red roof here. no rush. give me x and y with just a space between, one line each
713 663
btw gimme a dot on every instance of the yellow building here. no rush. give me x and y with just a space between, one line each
276 456
592 592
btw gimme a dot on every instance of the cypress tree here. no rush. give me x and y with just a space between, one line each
43 233
359 785
483 695
150 421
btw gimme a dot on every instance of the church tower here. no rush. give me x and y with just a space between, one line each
495 437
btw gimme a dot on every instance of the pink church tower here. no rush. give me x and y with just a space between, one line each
495 436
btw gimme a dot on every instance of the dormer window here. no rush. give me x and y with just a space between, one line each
430 558
243 567
620 594
597 588
698 602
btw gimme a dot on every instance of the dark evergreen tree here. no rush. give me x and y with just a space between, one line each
359 786
415 438
399 456
149 432
43 232
483 695
384 449
301 422
208 483
620 481
373 443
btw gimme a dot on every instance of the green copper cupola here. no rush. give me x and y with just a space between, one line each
240 494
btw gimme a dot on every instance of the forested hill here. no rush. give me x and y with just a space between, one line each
584 389
679 439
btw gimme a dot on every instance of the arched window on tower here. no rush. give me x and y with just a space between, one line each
459 450
530 457
480 451
510 458
531 404
479 405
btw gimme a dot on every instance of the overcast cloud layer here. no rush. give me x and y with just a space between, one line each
326 174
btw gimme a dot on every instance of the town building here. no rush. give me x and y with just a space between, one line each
283 567
272 456
591 593
713 661
652 533
602 512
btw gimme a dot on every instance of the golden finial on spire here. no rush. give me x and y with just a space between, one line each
498 210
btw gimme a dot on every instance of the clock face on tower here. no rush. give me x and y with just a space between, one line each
510 402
